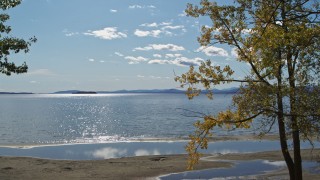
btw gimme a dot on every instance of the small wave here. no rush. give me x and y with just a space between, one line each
116 138
97 140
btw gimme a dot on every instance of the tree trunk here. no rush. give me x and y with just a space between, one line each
297 155
282 130
294 121
283 139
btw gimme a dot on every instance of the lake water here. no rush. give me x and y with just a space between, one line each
129 149
102 126
53 118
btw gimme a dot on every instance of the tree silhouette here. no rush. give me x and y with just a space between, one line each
9 44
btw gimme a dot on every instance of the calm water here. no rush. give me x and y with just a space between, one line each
89 125
129 149
240 170
42 119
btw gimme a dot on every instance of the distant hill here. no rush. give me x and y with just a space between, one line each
217 91
85 92
144 91
66 92
75 92
16 93
232 90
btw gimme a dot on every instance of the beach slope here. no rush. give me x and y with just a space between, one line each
141 167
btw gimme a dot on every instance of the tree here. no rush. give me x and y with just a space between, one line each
10 44
279 40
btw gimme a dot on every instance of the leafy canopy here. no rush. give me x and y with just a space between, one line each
280 41
9 44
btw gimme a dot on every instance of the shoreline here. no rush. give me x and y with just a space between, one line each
250 137
139 167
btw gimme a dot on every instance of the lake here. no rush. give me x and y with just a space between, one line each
101 118
103 126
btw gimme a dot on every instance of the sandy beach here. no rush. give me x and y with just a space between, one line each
141 167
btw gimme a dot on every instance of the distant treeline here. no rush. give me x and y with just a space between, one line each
217 91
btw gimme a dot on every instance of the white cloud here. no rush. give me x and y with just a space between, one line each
154 24
169 47
107 33
157 55
151 77
279 23
183 61
234 52
246 31
173 55
68 33
147 48
118 54
102 61
155 77
173 27
159 61
153 33
168 33
135 60
179 61
213 51
91 60
71 34
136 6
165 28
139 58
165 23
150 25
113 10
33 82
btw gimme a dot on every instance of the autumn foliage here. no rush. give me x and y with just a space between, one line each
279 40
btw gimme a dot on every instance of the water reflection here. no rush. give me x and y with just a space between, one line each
145 152
108 152
240 170
275 163
128 149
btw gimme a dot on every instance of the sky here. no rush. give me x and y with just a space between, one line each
105 45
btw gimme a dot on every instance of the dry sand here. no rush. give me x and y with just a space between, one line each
121 168
143 167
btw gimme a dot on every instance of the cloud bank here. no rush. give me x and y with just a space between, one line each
160 47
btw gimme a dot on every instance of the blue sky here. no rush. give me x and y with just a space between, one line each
109 45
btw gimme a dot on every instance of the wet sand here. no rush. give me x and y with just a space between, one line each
141 167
